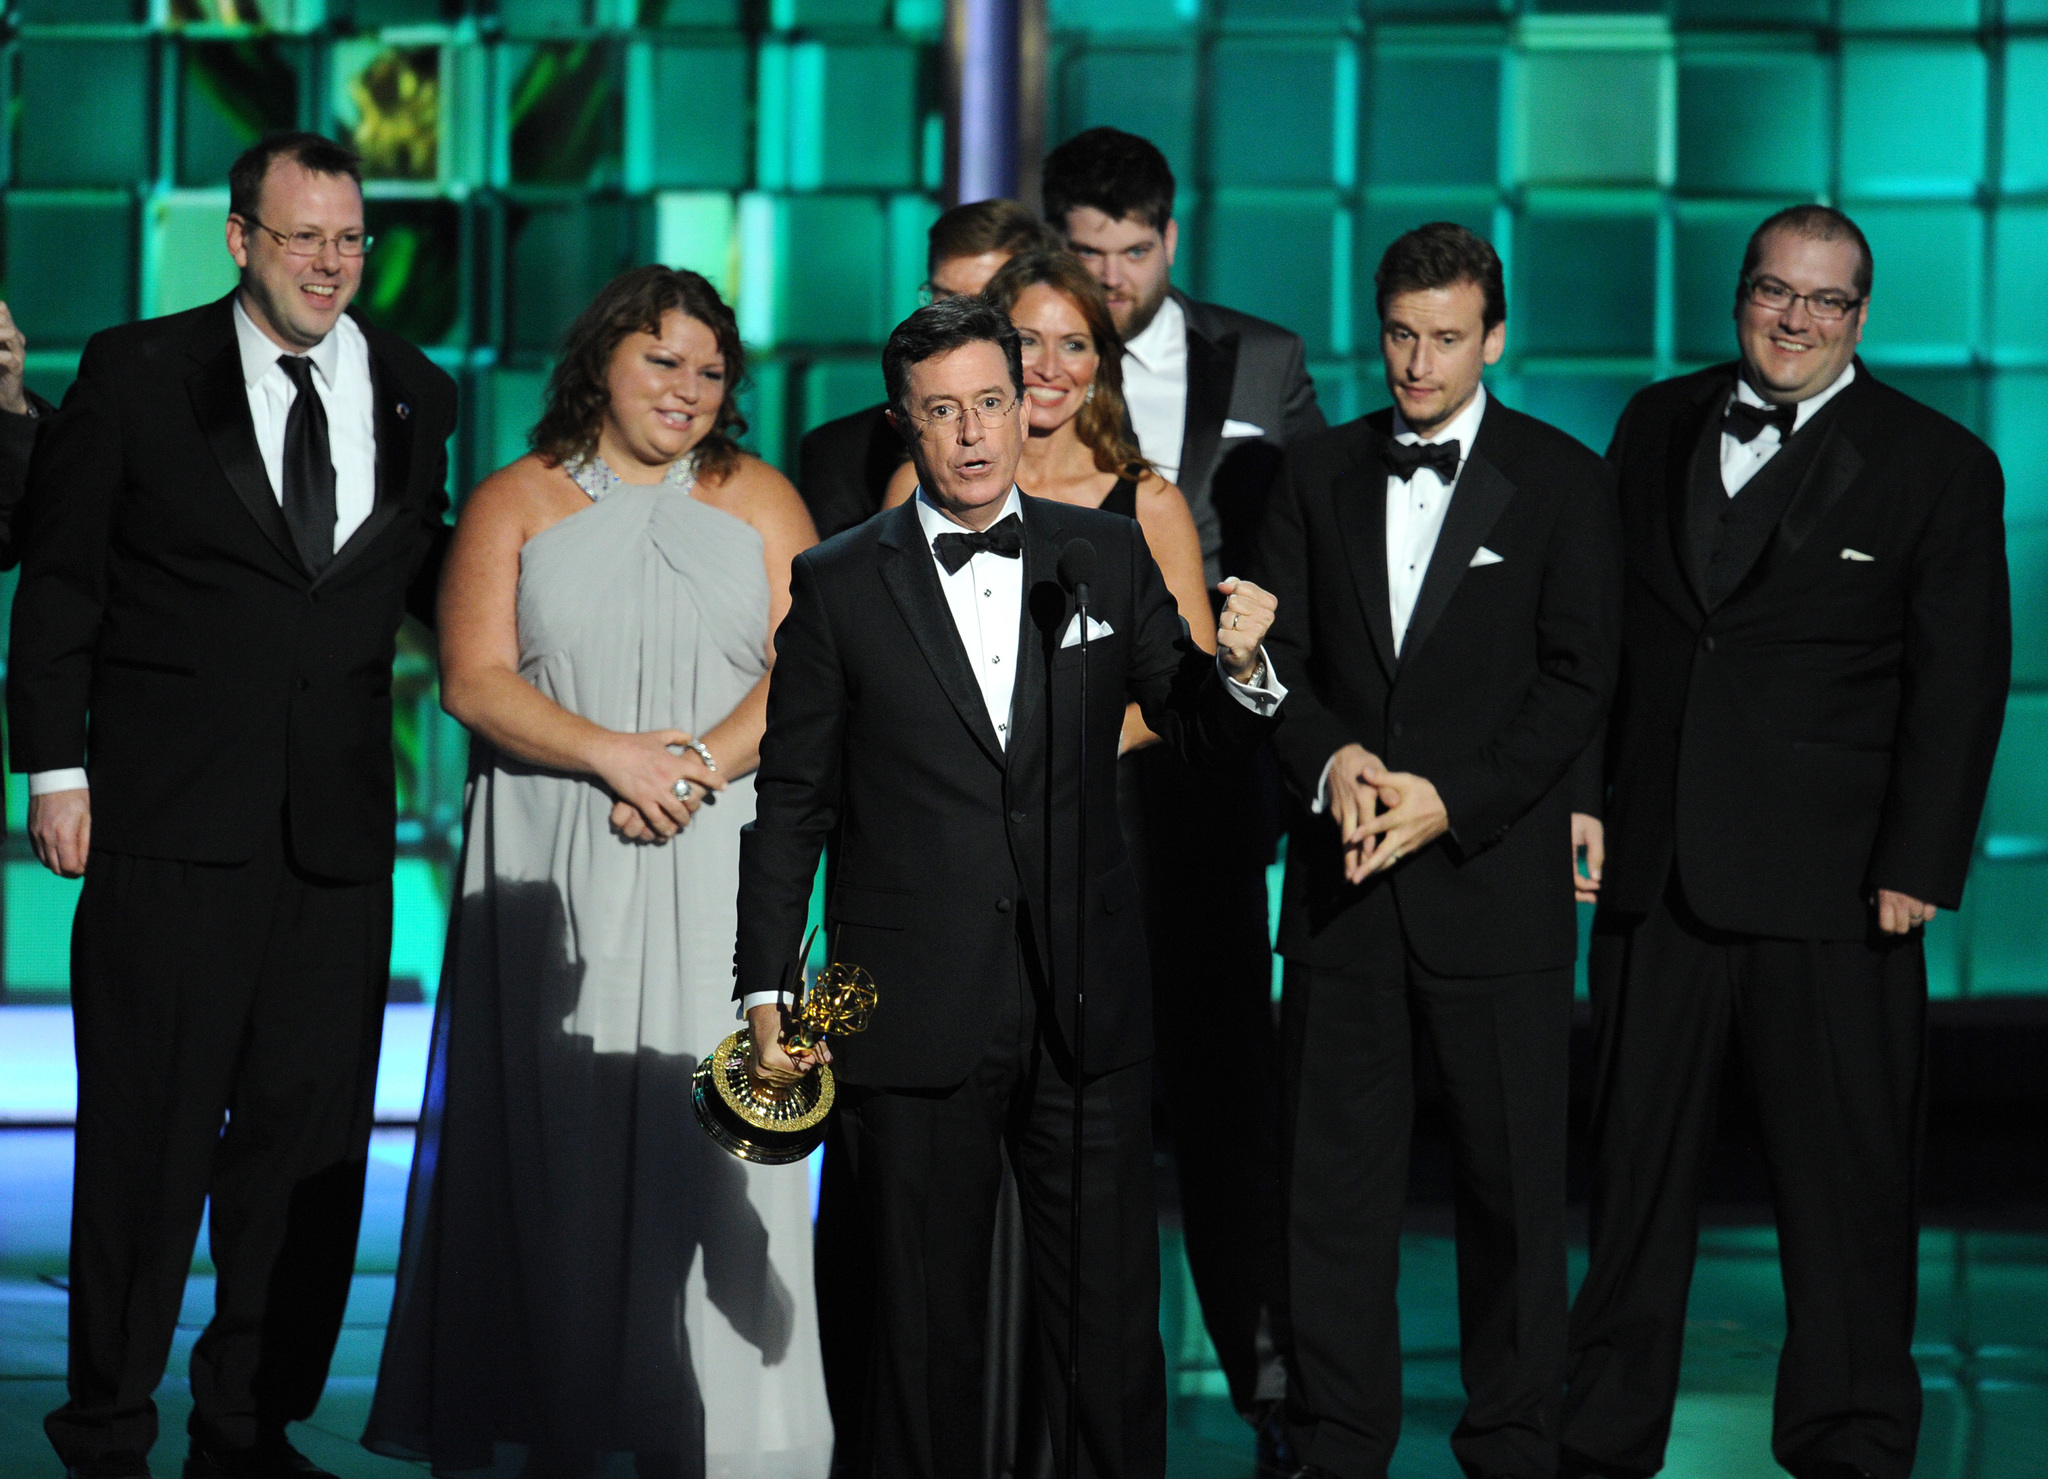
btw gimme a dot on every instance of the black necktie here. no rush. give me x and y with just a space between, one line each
308 468
1745 422
1005 537
1404 460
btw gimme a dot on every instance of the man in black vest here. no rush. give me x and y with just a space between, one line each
225 524
1813 680
1449 580
923 724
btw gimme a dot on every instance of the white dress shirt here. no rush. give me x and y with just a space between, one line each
1415 520
1156 388
986 597
341 373
1740 460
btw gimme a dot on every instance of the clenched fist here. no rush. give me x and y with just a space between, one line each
1242 625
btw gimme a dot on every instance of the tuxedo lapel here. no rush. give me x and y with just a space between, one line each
1482 493
1212 369
1036 640
1835 467
220 401
1360 495
1689 441
394 464
913 583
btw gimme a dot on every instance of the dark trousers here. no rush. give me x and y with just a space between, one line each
1202 852
1502 1047
1834 1032
227 1024
921 1171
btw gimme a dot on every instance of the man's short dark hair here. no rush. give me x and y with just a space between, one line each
313 153
986 226
1111 171
940 328
1441 255
1816 223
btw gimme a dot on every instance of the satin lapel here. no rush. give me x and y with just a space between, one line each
1035 646
1679 452
1833 470
1212 368
1360 496
913 583
1482 493
220 400
394 465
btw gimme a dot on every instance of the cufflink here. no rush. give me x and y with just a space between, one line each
404 411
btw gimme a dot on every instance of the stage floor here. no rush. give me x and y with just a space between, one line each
1983 1345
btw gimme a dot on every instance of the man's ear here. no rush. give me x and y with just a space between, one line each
1496 342
238 242
1171 237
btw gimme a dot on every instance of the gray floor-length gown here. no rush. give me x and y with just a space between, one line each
587 1284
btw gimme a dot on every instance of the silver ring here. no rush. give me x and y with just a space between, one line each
681 790
1395 858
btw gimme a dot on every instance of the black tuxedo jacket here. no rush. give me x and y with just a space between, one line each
17 444
1502 681
1828 729
843 468
1242 369
167 637
879 746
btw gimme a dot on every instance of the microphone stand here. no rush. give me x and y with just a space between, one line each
1080 1057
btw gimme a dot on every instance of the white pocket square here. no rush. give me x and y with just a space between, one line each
1242 429
1097 630
1485 556
1857 554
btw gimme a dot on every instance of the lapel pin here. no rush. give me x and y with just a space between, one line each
404 411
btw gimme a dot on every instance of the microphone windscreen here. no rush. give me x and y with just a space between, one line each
1077 564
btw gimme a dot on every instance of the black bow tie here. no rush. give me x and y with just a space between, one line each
1005 537
1403 460
1746 422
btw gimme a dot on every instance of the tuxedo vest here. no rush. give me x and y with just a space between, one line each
1728 535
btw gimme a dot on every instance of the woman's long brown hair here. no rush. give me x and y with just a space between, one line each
1101 422
634 302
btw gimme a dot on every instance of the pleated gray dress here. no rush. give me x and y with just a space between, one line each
587 1284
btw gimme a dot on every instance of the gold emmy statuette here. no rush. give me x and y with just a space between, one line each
759 1121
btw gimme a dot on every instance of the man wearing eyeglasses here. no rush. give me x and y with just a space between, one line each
224 525
1816 654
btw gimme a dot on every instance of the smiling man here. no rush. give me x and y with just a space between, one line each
1449 580
224 525
1813 681
922 725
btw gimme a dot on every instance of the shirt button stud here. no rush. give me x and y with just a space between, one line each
1002 906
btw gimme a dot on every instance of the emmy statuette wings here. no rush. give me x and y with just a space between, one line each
759 1121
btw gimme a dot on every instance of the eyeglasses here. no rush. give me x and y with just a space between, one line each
313 243
1826 305
946 417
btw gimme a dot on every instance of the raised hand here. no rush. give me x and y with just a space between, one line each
1242 625
13 361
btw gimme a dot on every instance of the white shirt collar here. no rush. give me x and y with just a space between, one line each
1808 408
260 352
934 521
1462 428
1163 340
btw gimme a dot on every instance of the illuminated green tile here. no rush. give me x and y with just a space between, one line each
388 101
1592 117
2026 551
790 15
412 278
1707 260
838 116
87 113
557 257
1435 118
1585 284
1302 13
839 387
1910 15
39 908
509 404
398 12
1927 298
699 230
1912 118
1957 394
543 17
1274 254
234 92
2016 811
1777 12
562 112
689 12
1283 113
1754 123
2006 932
1110 16
71 263
2025 141
687 123
187 261
2019 432
790 245
1379 224
1586 406
1142 91
2019 291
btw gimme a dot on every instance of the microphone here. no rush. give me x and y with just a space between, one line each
1077 569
